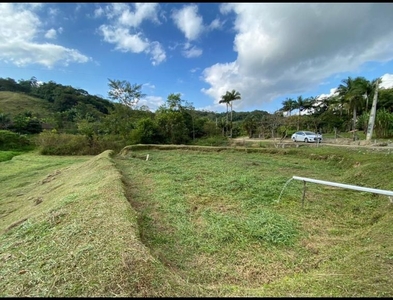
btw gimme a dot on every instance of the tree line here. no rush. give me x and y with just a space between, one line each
75 111
348 109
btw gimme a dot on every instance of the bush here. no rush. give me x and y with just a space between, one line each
213 141
52 143
13 141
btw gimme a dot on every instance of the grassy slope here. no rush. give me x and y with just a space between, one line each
15 103
68 230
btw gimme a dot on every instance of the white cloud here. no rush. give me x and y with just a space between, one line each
387 81
188 21
143 11
51 34
215 24
191 51
332 92
123 30
98 12
45 54
157 52
53 12
149 86
20 28
123 40
78 7
153 102
289 48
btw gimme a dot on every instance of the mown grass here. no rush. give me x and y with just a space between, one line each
67 230
196 221
215 219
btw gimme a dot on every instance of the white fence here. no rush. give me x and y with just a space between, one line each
347 186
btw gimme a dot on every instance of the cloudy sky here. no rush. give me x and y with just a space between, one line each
267 52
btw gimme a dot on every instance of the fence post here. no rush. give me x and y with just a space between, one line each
304 192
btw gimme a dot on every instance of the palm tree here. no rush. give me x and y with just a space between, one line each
289 105
352 92
300 103
227 99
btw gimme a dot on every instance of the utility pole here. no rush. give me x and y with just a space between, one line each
371 121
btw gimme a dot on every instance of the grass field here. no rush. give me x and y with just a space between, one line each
162 221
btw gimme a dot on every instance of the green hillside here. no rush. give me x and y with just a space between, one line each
14 103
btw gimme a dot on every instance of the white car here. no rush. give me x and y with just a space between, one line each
307 137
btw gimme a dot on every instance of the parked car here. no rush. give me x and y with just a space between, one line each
307 137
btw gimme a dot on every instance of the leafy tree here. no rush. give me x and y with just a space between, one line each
172 120
146 132
64 101
5 121
119 121
25 123
46 91
125 92
385 99
27 85
9 84
88 128
250 125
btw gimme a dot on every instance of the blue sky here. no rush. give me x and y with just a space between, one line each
267 52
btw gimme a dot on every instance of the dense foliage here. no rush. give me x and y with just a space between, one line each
74 111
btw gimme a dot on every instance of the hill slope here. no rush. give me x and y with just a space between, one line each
14 103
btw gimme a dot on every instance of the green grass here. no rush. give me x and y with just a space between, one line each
7 155
14 103
196 221
214 218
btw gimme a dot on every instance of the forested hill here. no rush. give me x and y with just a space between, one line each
59 97
26 103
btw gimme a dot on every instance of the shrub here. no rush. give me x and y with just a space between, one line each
212 141
11 141
52 143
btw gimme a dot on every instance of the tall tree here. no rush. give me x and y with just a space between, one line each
228 98
225 99
352 91
288 105
300 104
172 120
125 92
371 121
